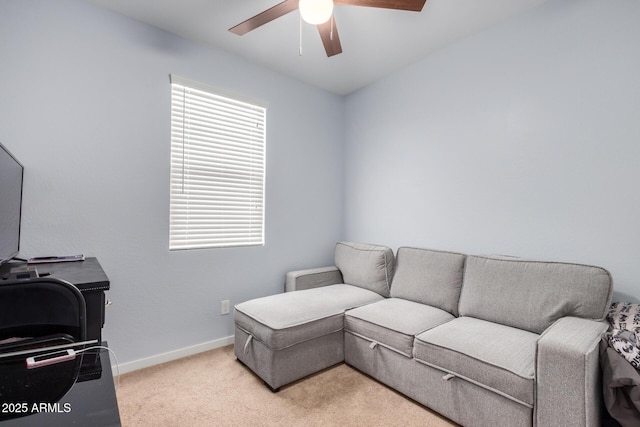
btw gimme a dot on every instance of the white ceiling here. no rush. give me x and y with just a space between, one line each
375 42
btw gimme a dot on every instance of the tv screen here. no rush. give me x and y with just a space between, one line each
10 204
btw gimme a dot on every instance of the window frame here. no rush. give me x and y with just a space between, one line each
218 168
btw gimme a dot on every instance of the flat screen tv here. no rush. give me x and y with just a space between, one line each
11 173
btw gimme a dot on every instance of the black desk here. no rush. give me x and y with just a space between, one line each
91 400
88 403
87 276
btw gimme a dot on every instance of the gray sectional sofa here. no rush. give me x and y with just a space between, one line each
485 341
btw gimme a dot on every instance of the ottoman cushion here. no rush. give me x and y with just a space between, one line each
283 320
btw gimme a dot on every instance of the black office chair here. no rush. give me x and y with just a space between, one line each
40 319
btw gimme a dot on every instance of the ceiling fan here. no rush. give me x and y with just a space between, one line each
320 13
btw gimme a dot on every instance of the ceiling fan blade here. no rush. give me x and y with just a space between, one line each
412 5
268 15
329 35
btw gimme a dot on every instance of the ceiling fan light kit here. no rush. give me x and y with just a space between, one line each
316 12
319 12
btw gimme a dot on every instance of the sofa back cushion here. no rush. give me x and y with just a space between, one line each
429 277
531 295
366 266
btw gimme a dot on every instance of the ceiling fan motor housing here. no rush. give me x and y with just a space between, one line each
316 12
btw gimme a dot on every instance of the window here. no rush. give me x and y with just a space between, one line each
217 169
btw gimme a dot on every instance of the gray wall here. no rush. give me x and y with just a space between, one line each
85 106
522 140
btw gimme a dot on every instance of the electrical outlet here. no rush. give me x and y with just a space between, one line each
224 307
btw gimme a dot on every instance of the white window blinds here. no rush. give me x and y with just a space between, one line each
217 169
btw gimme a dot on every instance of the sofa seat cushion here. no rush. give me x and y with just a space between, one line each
494 356
282 320
394 322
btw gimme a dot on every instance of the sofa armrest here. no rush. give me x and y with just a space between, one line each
568 378
312 278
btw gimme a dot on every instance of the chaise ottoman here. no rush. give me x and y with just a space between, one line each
288 336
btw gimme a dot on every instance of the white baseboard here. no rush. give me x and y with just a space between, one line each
171 355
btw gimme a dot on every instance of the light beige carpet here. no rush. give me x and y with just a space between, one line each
214 389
